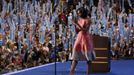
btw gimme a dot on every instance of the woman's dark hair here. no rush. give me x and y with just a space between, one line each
83 12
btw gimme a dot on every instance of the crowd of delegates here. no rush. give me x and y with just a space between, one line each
35 32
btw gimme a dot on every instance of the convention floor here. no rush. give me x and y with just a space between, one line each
118 67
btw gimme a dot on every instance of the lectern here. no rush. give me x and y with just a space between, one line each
102 49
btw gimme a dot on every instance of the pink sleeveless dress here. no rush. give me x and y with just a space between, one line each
83 46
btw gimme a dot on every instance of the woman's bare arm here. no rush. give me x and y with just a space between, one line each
76 24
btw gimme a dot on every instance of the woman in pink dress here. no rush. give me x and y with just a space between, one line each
83 46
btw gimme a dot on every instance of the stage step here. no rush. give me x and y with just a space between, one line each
104 59
100 49
102 53
99 62
98 67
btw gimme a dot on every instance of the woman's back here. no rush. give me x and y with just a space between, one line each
85 24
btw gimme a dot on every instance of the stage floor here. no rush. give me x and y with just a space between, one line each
118 67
